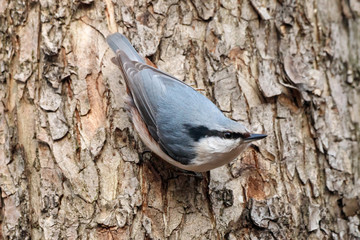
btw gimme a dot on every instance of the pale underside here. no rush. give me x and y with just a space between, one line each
212 152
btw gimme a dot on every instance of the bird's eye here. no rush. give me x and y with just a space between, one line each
227 135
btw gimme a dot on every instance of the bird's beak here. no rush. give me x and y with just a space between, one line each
254 137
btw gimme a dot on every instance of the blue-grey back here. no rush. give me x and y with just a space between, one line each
167 106
176 106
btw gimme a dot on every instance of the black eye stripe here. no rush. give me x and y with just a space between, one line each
198 132
233 135
228 135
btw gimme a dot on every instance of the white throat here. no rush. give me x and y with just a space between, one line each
213 152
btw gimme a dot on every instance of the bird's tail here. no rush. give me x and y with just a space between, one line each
117 41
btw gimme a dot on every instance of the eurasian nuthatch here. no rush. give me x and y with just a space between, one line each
176 122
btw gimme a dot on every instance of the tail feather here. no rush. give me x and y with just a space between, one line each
118 41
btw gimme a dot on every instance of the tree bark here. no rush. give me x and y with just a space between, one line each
72 167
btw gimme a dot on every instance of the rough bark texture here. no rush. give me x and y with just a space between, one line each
72 167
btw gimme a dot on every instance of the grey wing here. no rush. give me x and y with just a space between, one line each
146 94
136 79
166 105
147 87
163 101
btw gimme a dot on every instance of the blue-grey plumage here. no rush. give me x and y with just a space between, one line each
175 121
118 41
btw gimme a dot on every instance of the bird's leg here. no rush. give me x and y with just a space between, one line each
197 175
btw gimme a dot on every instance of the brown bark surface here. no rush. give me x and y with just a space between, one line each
72 167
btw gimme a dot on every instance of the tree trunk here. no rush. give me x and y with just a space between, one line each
72 167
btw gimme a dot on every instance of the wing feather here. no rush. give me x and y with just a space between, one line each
134 76
165 104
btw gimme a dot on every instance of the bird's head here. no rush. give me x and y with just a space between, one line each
217 144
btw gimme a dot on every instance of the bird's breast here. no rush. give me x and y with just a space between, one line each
210 155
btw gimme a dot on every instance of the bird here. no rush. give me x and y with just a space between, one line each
176 122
